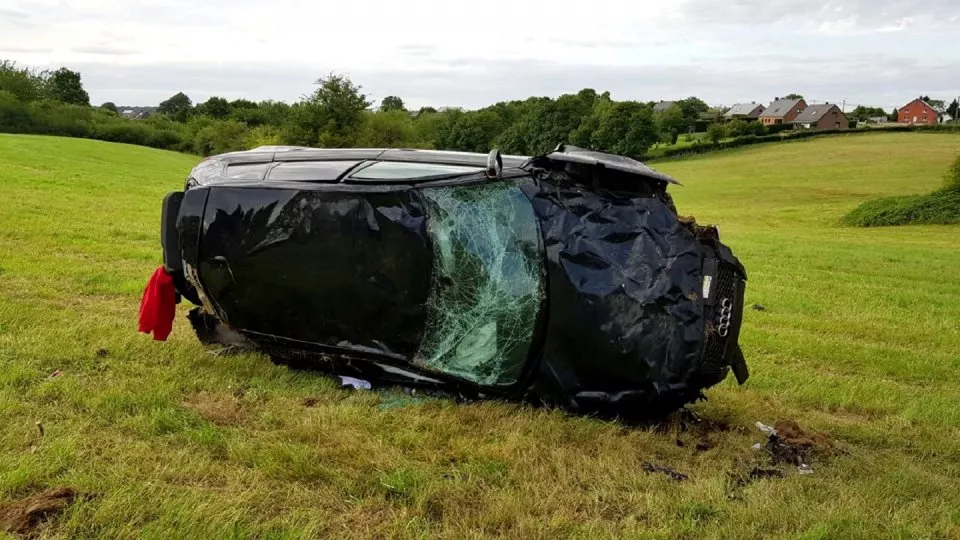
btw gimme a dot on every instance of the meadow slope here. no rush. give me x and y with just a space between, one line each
860 338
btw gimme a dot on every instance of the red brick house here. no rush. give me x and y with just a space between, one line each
918 111
782 111
826 116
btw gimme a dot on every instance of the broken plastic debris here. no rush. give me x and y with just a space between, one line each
55 374
766 429
805 469
356 384
758 446
672 473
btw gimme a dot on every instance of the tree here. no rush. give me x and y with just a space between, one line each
954 109
624 127
392 103
340 100
110 106
215 107
894 116
178 107
793 96
65 86
692 108
738 127
716 132
539 124
670 124
472 131
23 83
863 114
388 129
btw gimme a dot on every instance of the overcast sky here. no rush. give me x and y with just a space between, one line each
450 52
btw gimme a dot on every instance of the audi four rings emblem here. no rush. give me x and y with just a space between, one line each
726 312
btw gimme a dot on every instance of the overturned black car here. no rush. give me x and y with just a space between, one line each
567 279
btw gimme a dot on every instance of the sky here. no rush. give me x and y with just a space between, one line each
471 54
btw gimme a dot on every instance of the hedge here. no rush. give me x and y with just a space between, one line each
703 148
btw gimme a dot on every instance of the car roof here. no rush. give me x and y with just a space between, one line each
213 167
302 153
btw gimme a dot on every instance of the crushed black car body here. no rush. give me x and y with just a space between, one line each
567 279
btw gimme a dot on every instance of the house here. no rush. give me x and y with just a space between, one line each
918 111
826 116
782 111
744 111
663 106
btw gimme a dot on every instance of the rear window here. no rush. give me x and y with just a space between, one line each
397 170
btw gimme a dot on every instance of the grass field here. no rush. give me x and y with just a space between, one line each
860 339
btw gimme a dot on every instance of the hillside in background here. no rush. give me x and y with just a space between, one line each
857 338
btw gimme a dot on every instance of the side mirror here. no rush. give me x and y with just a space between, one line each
494 164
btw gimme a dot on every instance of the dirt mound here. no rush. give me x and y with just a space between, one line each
21 517
795 445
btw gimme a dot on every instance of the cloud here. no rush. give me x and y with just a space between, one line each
15 49
104 50
828 16
480 82
439 52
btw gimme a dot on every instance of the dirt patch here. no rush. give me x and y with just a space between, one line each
23 516
692 430
797 446
222 410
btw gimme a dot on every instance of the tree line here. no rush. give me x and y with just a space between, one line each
337 113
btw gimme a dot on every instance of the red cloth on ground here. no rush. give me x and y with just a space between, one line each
158 307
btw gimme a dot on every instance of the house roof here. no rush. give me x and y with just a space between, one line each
814 113
924 102
780 108
743 109
663 105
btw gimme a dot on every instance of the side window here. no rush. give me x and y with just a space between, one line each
399 170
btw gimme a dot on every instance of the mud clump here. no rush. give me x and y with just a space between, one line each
23 516
797 446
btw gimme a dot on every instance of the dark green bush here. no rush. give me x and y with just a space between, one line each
14 115
940 207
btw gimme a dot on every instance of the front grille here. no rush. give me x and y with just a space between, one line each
712 358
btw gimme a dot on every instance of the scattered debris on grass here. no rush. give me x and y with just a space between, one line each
788 443
705 443
23 516
103 353
744 478
310 401
759 307
55 374
672 473
230 350
699 432
356 384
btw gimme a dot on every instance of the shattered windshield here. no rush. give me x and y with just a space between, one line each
487 282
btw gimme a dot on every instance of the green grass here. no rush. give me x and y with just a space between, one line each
942 207
860 339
